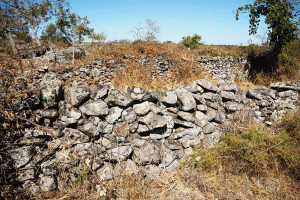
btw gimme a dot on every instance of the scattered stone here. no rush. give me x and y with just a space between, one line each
47 183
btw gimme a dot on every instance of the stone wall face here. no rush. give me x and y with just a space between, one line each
103 70
224 68
148 130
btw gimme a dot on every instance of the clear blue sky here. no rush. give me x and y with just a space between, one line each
214 20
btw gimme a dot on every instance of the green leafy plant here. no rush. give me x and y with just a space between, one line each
191 41
281 17
84 176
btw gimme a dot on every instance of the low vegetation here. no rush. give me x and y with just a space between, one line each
265 161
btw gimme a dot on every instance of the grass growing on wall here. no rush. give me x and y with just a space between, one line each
259 154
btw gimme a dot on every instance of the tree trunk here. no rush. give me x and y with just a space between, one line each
12 42
67 37
35 35
80 38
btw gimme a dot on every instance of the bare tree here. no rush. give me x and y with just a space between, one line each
138 32
152 30
151 33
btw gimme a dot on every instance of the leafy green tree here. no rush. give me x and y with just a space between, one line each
24 35
81 28
11 20
65 22
36 13
71 24
281 18
98 37
191 41
50 33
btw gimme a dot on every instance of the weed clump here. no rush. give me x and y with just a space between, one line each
256 151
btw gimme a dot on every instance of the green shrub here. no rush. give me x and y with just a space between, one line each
25 36
289 60
191 42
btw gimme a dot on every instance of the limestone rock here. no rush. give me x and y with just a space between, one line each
21 156
180 132
153 121
74 136
99 91
209 128
194 87
208 86
43 113
152 171
94 108
117 97
47 183
68 113
25 175
75 95
51 91
170 156
49 168
201 119
139 94
119 153
106 172
186 99
229 86
114 114
88 128
142 108
186 116
129 116
166 96
291 85
104 127
227 96
149 153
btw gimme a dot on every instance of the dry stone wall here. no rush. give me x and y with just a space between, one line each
145 130
104 70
